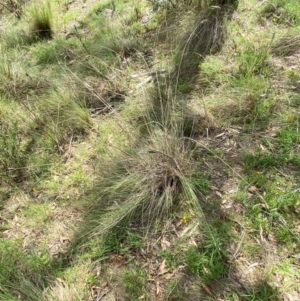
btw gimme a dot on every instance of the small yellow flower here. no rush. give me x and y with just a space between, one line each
184 219
34 189
275 20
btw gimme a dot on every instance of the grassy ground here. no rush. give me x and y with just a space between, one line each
149 152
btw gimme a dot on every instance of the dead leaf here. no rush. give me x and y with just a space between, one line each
151 279
162 268
168 276
193 242
207 289
219 194
63 239
61 281
262 147
220 135
165 244
116 260
157 287
252 189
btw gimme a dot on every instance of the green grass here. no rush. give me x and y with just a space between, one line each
135 283
58 50
281 12
21 274
181 188
208 260
41 15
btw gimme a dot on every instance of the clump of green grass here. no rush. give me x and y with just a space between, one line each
41 16
282 12
212 74
261 161
19 80
116 39
57 50
17 35
13 154
135 282
253 61
60 115
21 275
275 211
288 137
248 85
208 260
262 291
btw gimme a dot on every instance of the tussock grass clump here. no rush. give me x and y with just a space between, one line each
22 276
253 62
286 45
41 16
59 50
281 12
19 82
18 35
145 187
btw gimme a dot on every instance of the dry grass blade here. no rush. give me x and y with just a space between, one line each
286 45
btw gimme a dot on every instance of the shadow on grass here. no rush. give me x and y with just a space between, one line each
206 37
225 290
210 262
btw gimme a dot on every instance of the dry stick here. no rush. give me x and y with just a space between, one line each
5 6
103 295
68 153
239 244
